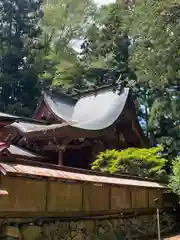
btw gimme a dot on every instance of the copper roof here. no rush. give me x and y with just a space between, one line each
12 118
40 131
36 171
85 117
89 116
91 112
24 127
18 151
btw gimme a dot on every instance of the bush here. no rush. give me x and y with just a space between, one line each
174 180
148 163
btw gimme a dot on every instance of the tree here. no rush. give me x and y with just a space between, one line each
106 47
174 181
64 22
140 43
148 163
136 44
19 48
155 59
67 20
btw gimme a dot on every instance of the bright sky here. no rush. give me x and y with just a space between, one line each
101 2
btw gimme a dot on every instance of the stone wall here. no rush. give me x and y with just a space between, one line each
120 227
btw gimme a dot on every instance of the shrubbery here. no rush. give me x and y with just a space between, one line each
147 163
174 180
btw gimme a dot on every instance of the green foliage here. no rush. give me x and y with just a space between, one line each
64 22
67 20
106 48
138 45
19 49
134 161
155 59
174 180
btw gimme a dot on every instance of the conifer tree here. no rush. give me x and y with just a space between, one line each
106 47
19 50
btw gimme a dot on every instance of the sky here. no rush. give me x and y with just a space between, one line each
101 2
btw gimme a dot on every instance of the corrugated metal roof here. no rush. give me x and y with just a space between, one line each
8 168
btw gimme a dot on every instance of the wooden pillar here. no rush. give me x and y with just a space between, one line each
60 157
61 150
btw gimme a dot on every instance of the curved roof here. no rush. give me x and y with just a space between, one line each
91 112
12 118
90 116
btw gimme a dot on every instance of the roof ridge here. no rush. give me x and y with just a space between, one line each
81 93
58 95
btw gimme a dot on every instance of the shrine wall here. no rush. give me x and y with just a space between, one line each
48 209
47 197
